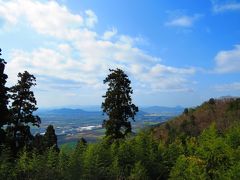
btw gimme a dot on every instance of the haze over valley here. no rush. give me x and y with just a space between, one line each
71 124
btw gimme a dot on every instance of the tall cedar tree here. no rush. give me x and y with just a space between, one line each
4 113
22 108
50 138
118 105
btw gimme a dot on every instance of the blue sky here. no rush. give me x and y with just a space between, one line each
179 53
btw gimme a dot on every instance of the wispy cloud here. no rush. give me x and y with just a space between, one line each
109 34
183 20
92 19
82 56
222 6
235 86
228 61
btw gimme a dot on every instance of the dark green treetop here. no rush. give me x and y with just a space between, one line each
118 105
50 138
3 94
22 108
24 102
4 113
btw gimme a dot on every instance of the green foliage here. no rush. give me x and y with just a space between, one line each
22 108
233 172
170 155
235 105
24 102
6 164
50 138
124 159
97 162
64 166
233 137
52 158
191 168
146 150
138 172
24 166
3 100
214 150
29 165
76 159
209 156
38 143
118 105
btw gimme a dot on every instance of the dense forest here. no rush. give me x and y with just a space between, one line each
209 155
202 143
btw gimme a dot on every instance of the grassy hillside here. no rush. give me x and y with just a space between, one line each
224 113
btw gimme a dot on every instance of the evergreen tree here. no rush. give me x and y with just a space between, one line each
214 150
64 168
50 138
81 143
38 143
96 162
6 164
138 172
22 108
4 113
118 105
188 168
76 159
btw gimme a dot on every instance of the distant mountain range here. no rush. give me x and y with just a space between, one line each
69 111
163 110
95 111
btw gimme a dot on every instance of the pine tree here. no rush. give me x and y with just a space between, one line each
138 172
22 108
50 138
38 143
4 113
118 105
76 159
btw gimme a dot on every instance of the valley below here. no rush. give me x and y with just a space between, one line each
72 124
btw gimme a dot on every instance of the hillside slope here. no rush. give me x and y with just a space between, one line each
223 112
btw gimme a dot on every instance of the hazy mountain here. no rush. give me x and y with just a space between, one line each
163 110
94 111
68 111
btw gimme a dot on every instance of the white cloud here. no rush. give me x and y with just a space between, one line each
81 55
162 69
235 86
166 78
65 48
91 19
222 6
228 61
109 34
48 18
183 20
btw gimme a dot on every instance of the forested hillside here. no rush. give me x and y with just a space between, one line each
208 150
223 112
